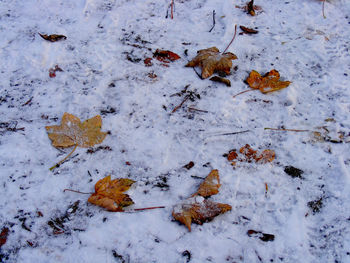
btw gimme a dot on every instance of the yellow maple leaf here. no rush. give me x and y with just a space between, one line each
268 83
71 132
109 194
210 60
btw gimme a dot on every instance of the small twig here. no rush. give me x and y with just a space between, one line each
145 208
323 9
29 101
65 158
231 40
180 105
213 22
242 93
274 129
231 133
194 109
75 191
172 9
199 75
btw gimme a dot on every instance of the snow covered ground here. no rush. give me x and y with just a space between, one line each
104 73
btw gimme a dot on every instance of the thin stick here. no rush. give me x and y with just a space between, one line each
231 40
242 93
199 75
194 109
232 133
60 162
274 129
323 9
180 105
146 208
75 191
172 9
213 22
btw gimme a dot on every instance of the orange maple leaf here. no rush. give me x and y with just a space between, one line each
210 60
198 209
109 194
268 83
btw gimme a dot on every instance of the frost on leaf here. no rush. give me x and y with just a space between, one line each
72 132
198 210
268 83
109 194
210 60
210 185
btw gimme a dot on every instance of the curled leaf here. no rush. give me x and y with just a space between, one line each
247 30
198 210
109 194
53 38
210 60
210 186
165 56
268 83
225 81
72 132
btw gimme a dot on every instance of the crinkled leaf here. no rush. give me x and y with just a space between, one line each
211 60
210 185
268 83
72 132
109 194
198 210
165 55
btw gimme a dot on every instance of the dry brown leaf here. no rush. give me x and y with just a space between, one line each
210 185
268 83
247 30
211 60
198 210
72 132
165 56
225 81
53 38
109 194
248 154
3 236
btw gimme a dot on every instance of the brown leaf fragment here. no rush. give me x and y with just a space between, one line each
225 81
189 165
210 186
248 151
268 83
210 60
198 210
247 30
72 132
250 8
266 156
165 56
3 236
109 194
53 38
232 155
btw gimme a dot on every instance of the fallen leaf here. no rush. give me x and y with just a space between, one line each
250 8
248 154
72 132
3 236
52 71
109 194
210 60
210 186
225 81
53 38
165 56
268 83
198 210
189 165
148 62
247 30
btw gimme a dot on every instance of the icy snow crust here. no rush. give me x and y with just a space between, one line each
104 73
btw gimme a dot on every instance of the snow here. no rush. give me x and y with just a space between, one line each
103 73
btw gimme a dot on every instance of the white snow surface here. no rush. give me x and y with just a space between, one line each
103 73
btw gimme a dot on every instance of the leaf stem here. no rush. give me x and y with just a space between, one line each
242 93
75 191
65 158
323 9
294 130
231 40
147 208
